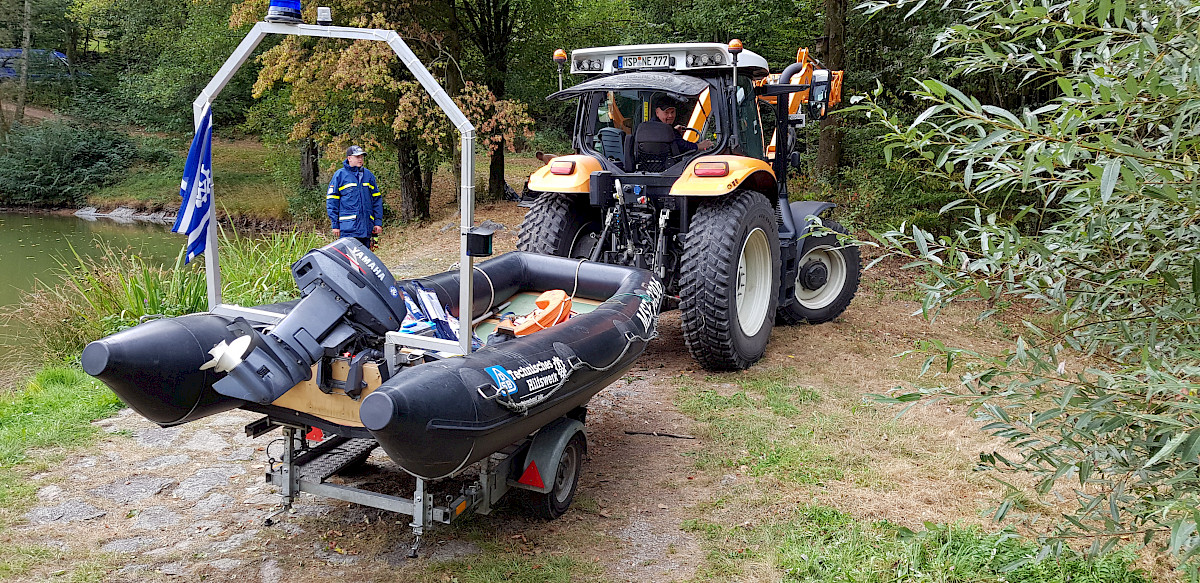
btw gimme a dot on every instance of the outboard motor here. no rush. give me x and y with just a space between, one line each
346 291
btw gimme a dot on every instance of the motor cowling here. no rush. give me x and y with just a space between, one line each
346 292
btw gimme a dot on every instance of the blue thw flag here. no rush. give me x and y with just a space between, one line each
196 190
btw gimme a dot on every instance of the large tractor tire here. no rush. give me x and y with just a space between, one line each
729 281
826 279
559 224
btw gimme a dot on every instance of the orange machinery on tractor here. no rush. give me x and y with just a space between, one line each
673 171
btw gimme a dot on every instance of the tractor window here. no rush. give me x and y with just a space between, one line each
750 132
617 109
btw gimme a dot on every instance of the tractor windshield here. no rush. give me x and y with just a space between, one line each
646 121
647 130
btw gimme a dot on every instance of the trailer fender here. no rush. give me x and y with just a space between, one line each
543 455
743 172
801 211
581 168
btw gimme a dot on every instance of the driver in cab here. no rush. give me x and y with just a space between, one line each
666 108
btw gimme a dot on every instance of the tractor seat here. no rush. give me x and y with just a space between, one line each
612 145
652 147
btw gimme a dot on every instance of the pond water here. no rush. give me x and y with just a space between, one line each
34 246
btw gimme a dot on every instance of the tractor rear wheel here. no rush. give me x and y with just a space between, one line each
826 279
729 281
559 224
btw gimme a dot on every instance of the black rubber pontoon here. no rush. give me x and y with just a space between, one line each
433 418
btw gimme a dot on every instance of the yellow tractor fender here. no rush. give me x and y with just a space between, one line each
742 172
571 173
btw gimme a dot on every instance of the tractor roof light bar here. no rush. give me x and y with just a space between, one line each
439 95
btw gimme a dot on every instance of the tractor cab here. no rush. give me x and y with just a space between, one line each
652 110
673 171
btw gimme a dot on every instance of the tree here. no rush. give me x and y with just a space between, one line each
832 51
1100 394
358 92
26 45
491 25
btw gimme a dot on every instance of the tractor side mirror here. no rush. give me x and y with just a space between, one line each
794 158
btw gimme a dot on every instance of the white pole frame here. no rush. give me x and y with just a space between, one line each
466 129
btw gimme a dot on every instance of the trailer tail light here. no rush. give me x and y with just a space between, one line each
562 167
716 169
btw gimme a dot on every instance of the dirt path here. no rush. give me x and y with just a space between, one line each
31 112
188 503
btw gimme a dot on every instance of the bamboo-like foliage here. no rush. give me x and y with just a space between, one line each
1100 396
99 295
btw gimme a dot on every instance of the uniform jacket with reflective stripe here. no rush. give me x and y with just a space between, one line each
354 202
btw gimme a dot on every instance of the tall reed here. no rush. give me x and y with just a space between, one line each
117 289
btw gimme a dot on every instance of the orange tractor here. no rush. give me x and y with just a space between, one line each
674 172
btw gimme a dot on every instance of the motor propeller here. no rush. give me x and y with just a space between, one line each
226 356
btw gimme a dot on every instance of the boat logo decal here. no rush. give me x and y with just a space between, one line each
395 294
361 255
504 380
543 373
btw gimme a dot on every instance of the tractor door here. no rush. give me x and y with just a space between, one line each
750 130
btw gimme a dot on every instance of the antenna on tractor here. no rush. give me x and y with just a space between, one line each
560 57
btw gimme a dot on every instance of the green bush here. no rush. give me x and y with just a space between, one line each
306 204
1098 397
54 164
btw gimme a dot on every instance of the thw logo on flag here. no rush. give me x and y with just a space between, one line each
196 190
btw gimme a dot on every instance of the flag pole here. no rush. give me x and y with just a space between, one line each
212 264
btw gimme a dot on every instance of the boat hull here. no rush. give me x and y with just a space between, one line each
434 418
155 367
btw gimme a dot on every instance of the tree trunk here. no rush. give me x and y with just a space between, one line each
310 172
496 173
22 84
454 86
414 197
498 74
829 152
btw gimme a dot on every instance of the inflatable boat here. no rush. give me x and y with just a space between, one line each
339 358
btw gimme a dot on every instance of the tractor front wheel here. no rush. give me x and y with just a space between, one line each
559 224
826 279
729 279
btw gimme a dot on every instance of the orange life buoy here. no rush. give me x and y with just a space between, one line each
553 307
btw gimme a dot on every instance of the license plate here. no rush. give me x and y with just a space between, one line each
641 61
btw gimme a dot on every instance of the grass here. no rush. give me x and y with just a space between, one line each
819 543
754 428
247 187
789 440
55 410
510 566
115 290
53 413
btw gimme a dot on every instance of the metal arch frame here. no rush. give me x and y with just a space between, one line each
410 60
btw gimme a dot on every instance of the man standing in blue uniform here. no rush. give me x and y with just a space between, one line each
354 202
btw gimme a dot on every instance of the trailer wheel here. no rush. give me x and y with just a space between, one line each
826 279
559 224
552 504
729 281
